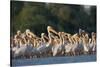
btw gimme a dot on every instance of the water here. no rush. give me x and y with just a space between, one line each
53 60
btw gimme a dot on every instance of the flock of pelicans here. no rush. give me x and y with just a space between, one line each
54 43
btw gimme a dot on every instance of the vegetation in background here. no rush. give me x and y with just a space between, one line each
63 17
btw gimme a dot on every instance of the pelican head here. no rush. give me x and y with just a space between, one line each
92 33
18 32
27 31
48 28
59 33
42 34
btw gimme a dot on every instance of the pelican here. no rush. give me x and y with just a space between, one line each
92 42
57 47
77 45
55 41
50 29
31 34
68 44
85 42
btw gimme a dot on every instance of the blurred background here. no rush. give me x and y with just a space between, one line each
62 17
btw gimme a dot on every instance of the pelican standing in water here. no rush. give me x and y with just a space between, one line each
85 42
56 41
92 42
